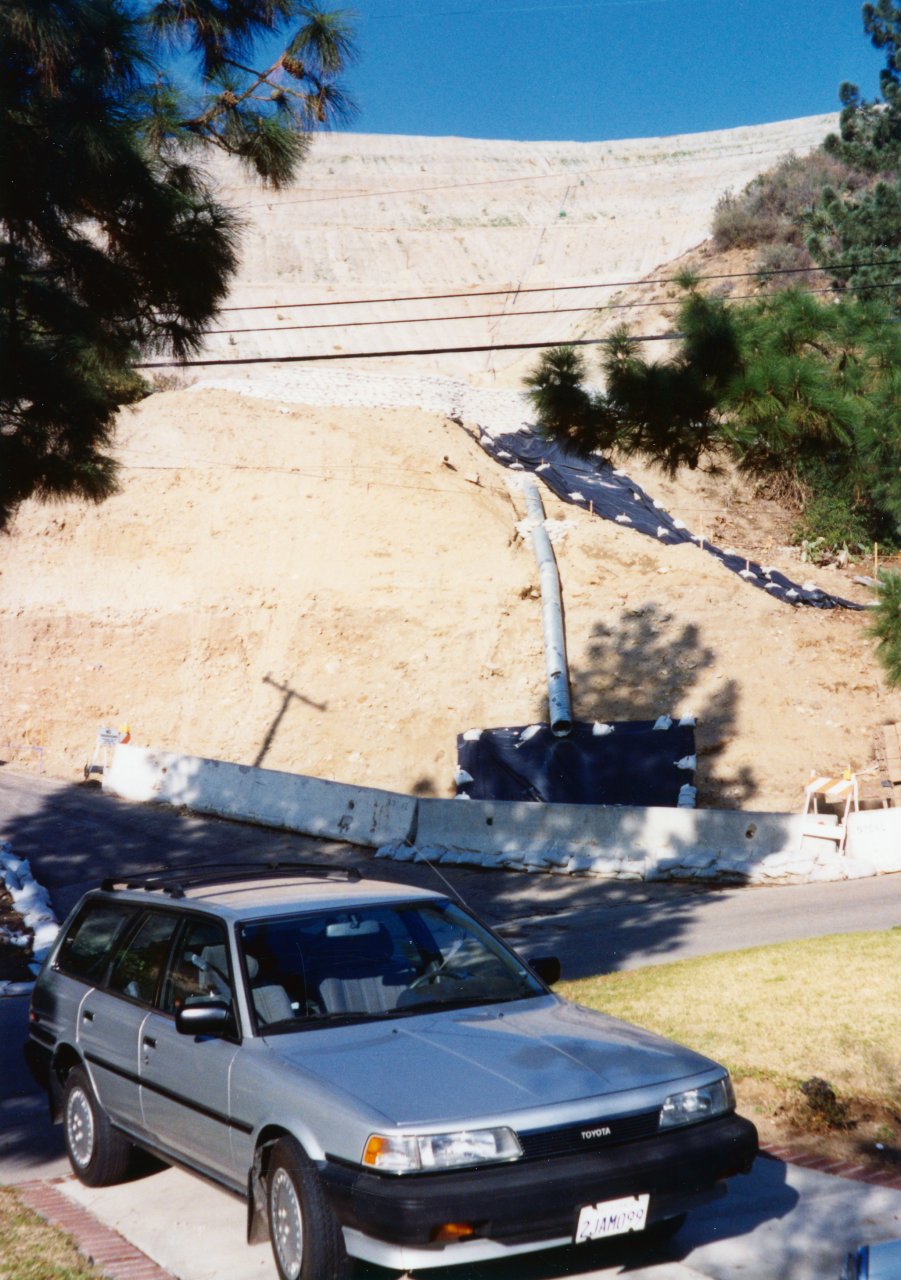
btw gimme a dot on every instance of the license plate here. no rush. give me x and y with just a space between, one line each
612 1218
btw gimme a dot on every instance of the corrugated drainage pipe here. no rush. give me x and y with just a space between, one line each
559 704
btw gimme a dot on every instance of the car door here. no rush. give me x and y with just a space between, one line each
112 1014
185 1080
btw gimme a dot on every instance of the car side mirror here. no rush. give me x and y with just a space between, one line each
547 968
211 1018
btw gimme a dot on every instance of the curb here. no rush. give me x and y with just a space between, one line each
109 1252
837 1168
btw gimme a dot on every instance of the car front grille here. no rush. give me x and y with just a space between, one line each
589 1135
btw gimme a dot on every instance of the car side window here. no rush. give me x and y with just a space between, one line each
86 948
200 967
138 966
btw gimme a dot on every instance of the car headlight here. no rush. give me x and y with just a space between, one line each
703 1103
419 1153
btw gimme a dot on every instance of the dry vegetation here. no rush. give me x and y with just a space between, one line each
30 1249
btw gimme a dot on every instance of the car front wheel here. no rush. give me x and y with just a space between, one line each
306 1239
98 1153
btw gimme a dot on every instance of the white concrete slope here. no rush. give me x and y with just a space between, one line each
384 217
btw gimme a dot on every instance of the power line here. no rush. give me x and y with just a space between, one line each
556 288
418 351
499 315
437 351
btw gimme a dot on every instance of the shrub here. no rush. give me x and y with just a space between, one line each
781 257
773 206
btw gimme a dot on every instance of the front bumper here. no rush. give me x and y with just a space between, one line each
534 1201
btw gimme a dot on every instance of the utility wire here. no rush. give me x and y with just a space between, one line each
415 351
498 315
556 288
438 351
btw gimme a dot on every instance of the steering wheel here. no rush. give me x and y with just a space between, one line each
436 969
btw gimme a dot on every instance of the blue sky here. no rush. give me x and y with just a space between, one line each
589 70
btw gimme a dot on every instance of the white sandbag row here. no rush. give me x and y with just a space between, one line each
786 867
32 902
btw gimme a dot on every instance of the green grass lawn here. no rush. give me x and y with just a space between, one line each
830 1007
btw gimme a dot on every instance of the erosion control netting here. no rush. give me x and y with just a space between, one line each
638 762
595 486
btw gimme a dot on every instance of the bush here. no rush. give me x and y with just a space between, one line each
781 257
835 513
773 206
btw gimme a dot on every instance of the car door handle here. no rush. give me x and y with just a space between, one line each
150 1042
87 1016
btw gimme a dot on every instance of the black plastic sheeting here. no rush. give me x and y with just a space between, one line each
593 485
630 763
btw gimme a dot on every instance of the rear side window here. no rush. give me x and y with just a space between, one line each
86 948
138 966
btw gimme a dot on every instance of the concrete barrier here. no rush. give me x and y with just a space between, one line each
875 834
617 832
608 841
360 815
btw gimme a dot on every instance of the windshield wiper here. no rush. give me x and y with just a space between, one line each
451 1002
310 1021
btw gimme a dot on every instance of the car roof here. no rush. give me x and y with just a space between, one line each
265 893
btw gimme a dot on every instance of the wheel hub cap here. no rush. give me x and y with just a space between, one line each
287 1224
80 1128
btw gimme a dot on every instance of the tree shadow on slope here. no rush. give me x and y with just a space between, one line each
646 665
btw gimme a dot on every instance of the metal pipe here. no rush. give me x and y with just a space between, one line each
559 704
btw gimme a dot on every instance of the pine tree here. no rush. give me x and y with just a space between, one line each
862 235
786 384
112 243
869 135
886 625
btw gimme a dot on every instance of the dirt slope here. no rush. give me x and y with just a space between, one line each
318 569
340 592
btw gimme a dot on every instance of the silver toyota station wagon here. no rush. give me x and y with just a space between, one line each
370 1068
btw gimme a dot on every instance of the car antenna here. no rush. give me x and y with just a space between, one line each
421 857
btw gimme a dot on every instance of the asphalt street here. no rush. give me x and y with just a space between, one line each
780 1223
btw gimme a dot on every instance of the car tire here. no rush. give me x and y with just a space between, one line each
98 1153
307 1242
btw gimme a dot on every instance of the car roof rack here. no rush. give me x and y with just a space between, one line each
173 881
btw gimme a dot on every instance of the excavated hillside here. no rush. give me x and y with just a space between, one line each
318 570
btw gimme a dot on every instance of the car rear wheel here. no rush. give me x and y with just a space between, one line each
98 1153
306 1239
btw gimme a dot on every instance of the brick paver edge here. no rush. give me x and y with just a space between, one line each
837 1168
109 1251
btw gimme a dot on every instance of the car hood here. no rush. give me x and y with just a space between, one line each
488 1061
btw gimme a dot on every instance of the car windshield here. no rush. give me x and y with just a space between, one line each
375 962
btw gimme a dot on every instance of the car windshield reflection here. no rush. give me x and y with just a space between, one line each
327 968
